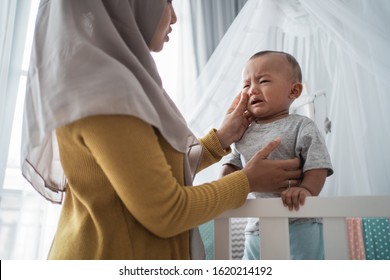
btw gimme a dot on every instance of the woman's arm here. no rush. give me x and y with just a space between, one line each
217 143
212 150
129 153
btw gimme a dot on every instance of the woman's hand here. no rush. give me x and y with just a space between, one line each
267 175
236 121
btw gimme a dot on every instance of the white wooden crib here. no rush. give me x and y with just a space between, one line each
274 223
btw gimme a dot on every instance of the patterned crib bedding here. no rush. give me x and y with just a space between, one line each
368 238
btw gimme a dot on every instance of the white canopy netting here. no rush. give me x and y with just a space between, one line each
343 49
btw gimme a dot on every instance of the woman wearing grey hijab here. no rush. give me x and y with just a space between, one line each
100 129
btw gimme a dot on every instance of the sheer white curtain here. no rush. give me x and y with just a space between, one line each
342 47
13 28
27 221
176 62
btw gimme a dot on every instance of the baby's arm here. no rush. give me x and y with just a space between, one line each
311 185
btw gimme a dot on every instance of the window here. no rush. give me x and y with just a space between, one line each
27 221
13 179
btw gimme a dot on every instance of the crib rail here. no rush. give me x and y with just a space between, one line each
274 223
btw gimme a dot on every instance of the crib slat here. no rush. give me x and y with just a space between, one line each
335 239
222 239
333 210
274 243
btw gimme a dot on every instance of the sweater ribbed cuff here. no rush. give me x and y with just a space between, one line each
211 141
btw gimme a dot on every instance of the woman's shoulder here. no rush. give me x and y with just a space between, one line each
111 121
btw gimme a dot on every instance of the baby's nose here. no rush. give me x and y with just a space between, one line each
253 92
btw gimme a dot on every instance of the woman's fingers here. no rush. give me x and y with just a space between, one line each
264 153
267 175
291 164
239 103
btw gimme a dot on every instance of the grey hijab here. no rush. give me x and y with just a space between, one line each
91 57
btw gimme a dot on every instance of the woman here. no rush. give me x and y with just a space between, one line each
94 95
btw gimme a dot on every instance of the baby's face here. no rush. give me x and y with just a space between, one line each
268 81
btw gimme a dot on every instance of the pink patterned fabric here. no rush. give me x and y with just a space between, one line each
355 239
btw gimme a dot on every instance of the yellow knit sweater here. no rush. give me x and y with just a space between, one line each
126 198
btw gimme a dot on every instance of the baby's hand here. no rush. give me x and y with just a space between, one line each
294 196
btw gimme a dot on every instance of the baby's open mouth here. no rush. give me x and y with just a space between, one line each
255 101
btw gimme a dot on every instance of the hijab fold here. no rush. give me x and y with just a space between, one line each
91 58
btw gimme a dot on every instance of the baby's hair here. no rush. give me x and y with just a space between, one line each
294 63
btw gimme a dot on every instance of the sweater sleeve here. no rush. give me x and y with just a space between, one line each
212 150
128 152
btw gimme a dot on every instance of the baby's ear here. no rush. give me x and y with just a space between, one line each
296 90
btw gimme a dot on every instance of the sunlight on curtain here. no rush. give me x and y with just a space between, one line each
342 47
176 62
167 60
27 221
13 22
